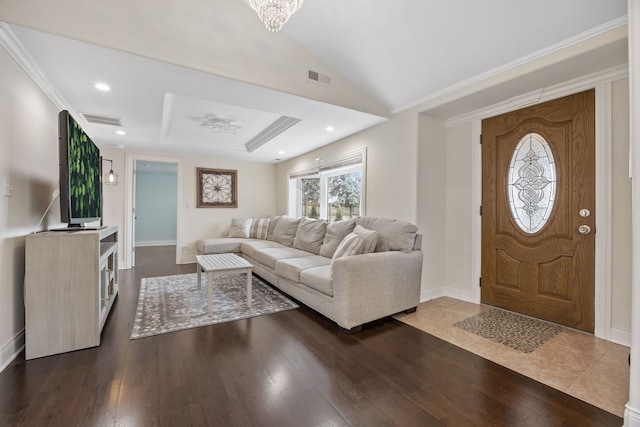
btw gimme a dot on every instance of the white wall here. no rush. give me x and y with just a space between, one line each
391 167
621 211
431 201
29 163
156 208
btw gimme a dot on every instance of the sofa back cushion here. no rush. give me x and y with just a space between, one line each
285 230
393 234
310 235
273 221
259 228
336 231
240 227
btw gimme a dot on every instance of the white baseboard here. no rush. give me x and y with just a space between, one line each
631 417
11 350
156 243
620 337
445 291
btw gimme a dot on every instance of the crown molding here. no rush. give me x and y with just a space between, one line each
542 95
23 58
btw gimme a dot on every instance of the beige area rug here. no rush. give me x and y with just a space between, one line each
516 331
172 303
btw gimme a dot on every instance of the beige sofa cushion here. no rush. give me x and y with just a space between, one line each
290 268
249 247
285 230
220 245
318 278
273 221
269 256
352 244
393 234
310 235
336 231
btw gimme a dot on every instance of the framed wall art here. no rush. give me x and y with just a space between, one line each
217 188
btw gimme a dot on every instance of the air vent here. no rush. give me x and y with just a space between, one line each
316 77
102 119
270 132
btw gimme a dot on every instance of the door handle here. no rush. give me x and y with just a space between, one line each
584 229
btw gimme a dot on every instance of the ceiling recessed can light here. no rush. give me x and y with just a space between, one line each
280 152
102 87
330 128
121 132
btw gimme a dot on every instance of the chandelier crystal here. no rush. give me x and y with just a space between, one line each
275 13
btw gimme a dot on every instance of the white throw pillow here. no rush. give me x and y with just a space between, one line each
370 238
350 245
240 227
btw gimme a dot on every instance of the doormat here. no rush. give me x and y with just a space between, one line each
173 303
514 330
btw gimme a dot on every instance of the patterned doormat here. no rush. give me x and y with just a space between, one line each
516 331
172 303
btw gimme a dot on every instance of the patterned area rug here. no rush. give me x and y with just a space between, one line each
518 332
172 303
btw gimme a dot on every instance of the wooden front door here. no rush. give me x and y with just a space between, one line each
538 211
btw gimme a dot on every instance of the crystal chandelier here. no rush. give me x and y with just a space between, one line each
275 13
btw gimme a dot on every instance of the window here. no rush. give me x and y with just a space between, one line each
333 190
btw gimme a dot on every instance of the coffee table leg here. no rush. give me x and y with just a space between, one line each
199 276
209 291
249 283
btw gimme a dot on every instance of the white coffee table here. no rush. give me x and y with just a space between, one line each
219 264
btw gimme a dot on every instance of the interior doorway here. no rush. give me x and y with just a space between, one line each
155 204
538 220
153 232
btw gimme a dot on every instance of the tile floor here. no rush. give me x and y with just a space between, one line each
577 363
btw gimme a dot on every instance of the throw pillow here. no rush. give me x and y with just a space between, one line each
350 245
336 231
240 227
259 228
370 238
285 230
310 235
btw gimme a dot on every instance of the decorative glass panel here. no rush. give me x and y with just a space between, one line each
531 183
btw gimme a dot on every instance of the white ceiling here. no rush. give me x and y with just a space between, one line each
401 54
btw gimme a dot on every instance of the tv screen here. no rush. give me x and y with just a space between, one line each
80 170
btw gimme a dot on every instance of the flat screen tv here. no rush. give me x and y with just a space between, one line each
80 171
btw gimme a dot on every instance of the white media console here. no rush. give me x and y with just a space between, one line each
71 281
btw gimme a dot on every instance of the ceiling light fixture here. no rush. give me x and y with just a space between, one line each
121 132
216 124
102 87
330 128
280 152
275 13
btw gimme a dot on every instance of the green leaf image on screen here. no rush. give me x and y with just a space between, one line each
84 174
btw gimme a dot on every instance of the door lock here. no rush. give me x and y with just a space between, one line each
585 213
584 229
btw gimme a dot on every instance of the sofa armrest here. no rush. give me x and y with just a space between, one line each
375 285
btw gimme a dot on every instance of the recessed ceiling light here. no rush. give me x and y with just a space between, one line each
330 128
102 87
280 152
121 132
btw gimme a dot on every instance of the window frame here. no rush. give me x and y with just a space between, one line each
334 166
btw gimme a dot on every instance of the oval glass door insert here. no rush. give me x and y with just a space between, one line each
531 183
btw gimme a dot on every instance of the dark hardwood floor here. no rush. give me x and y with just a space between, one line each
293 368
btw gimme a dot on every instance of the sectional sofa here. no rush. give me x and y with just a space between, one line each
352 272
